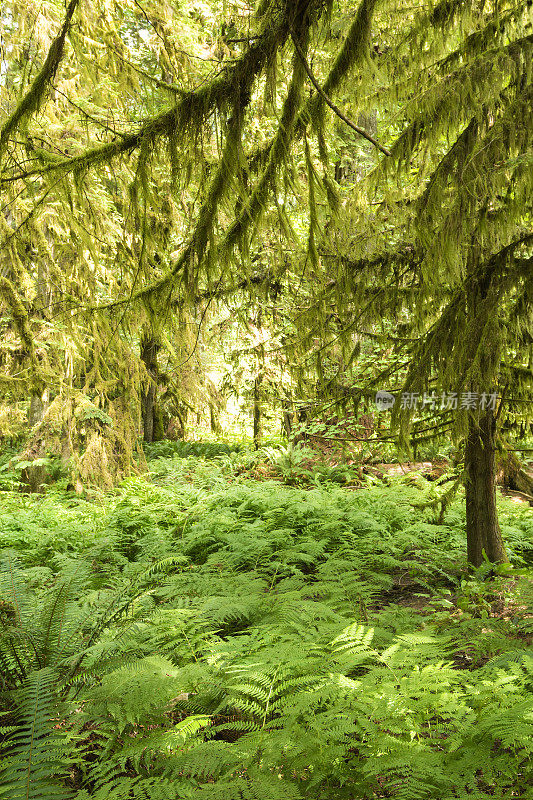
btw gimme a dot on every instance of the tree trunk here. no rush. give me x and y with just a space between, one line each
148 405
39 402
286 425
216 427
257 411
258 384
151 418
36 410
482 528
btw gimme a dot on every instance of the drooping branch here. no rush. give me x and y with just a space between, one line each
251 209
499 276
9 294
33 98
333 106
354 49
191 110
452 91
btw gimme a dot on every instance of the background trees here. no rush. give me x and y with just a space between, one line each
160 162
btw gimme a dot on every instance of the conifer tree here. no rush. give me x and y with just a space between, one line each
448 249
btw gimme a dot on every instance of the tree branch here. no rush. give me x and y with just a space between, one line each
332 105
33 97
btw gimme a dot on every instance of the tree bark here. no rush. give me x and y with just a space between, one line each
258 385
216 427
151 418
36 410
257 411
286 425
482 528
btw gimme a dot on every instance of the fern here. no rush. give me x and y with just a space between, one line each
35 753
240 640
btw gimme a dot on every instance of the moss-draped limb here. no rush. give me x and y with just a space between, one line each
250 212
336 110
280 150
354 49
480 201
219 186
19 314
33 98
293 121
453 161
462 339
193 108
487 75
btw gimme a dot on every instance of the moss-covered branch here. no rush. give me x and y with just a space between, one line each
33 98
336 110
193 108
248 215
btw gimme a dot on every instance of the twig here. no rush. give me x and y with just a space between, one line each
332 105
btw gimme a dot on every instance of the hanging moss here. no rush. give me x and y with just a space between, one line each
455 76
33 98
19 313
97 448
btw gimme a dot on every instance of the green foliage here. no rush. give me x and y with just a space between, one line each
35 752
203 632
197 632
169 449
93 412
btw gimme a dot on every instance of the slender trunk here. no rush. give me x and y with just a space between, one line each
482 529
148 404
286 425
151 418
39 401
33 476
257 411
258 388
301 417
36 410
216 428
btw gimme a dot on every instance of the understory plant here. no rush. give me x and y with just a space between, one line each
202 632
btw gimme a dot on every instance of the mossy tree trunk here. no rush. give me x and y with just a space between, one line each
151 413
286 424
34 476
36 410
40 400
258 427
214 420
482 528
258 392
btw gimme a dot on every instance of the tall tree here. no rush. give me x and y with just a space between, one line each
447 245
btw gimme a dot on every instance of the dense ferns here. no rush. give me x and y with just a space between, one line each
207 634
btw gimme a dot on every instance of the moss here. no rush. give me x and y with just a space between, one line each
99 449
32 100
18 312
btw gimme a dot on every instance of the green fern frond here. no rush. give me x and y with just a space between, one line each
35 755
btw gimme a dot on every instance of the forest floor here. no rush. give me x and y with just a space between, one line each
269 625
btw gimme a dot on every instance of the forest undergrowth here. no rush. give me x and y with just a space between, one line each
200 633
